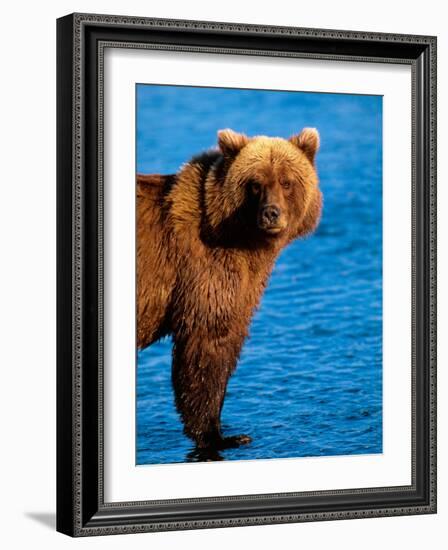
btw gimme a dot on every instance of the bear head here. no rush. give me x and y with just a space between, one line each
269 184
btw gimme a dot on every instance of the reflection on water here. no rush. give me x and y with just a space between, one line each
203 455
309 381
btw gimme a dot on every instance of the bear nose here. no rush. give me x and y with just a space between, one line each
270 214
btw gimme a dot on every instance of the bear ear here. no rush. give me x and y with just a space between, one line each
308 141
231 142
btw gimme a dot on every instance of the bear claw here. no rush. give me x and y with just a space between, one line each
235 441
219 443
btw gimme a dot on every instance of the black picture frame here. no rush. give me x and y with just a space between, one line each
81 510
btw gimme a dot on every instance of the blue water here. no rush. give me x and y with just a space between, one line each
309 381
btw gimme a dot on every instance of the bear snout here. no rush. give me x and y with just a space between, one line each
270 214
271 218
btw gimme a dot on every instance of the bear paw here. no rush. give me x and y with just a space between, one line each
235 441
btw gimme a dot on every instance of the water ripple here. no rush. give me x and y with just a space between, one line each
309 380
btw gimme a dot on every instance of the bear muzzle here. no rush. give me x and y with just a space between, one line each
271 219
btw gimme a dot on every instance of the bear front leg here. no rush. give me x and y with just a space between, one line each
200 372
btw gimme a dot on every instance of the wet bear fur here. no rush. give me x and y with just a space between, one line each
207 240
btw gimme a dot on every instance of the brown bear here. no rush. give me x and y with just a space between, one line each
207 240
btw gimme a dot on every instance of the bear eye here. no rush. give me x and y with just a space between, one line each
255 187
286 184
